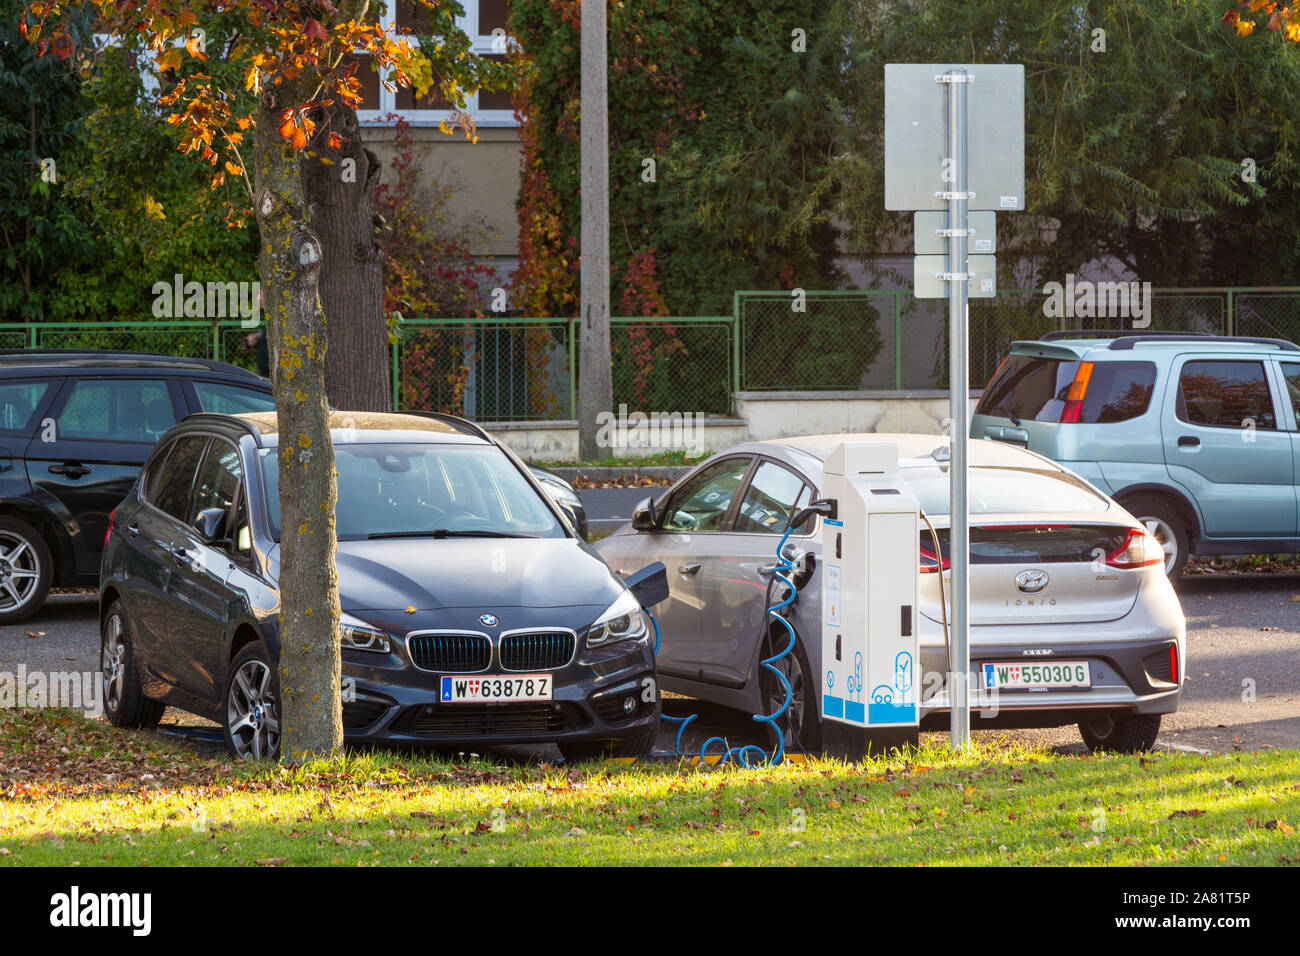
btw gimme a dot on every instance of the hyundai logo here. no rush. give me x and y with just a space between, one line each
488 620
1032 581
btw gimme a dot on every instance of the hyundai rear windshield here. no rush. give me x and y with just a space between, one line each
1034 389
442 490
1003 490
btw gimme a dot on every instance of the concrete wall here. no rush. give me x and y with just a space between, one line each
558 441
760 416
781 414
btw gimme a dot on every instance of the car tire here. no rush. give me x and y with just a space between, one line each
26 570
250 705
1168 526
804 734
1121 733
638 746
125 705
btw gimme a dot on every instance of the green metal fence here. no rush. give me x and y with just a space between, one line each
526 369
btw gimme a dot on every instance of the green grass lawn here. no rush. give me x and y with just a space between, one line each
77 792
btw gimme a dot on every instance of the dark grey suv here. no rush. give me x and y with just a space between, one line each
75 427
472 612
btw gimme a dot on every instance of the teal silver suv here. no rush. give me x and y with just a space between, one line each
1195 435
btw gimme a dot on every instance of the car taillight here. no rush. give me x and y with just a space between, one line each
107 534
1078 391
1173 663
1139 550
930 563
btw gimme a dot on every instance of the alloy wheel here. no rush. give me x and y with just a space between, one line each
252 712
1165 537
20 571
113 662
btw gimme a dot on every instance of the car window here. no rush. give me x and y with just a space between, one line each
773 496
225 399
1225 394
117 409
701 504
1003 490
170 485
393 488
1028 388
18 402
1291 374
219 479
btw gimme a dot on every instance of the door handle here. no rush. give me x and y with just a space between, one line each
1188 441
133 529
688 568
180 557
69 469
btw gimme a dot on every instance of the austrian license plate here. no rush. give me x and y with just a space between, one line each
1036 676
504 687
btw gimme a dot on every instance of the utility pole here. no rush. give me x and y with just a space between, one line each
595 382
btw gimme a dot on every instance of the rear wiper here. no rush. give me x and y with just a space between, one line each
1010 414
447 533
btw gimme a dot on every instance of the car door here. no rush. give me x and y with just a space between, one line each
691 521
23 402
735 567
1289 382
1224 444
102 431
148 564
198 609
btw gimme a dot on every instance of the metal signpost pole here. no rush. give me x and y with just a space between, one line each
959 388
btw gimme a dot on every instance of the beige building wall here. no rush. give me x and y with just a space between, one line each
483 176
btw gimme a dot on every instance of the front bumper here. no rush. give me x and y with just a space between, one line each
384 703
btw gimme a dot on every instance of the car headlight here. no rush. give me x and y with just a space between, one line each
622 621
360 636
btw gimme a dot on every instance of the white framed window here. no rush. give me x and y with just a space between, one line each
484 22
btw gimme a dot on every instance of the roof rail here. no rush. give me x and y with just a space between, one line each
126 354
455 421
1127 342
1126 339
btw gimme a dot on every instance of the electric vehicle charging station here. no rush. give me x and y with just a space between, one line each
870 687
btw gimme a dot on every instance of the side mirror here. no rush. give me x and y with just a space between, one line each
209 523
643 515
649 585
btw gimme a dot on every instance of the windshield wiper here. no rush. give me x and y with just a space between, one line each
447 533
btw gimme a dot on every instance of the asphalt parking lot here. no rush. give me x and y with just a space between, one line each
1242 690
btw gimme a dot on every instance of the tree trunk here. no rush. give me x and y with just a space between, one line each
340 186
289 265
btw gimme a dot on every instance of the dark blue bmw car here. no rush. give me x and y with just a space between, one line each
473 613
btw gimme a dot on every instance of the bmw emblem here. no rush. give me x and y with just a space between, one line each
488 620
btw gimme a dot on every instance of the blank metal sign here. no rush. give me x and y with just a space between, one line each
916 135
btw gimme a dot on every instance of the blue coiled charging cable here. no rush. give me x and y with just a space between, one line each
742 754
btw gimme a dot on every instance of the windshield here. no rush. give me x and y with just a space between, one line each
1002 490
395 489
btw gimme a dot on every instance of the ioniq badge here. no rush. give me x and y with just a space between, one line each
488 620
1032 581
